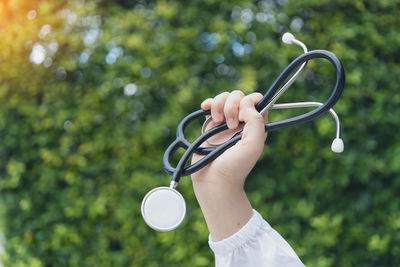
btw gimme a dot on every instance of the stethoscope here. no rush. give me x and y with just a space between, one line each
164 208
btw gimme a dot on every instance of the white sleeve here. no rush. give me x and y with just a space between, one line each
255 244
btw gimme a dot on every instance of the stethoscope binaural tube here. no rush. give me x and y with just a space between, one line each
337 144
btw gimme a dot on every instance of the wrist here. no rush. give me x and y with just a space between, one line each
225 214
225 206
218 181
217 191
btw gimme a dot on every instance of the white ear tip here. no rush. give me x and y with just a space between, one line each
287 38
337 145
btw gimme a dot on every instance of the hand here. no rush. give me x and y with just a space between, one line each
232 167
219 185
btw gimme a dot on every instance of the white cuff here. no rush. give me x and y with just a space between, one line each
247 232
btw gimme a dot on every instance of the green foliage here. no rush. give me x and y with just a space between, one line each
83 131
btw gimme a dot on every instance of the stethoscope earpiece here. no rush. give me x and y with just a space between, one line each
337 145
288 38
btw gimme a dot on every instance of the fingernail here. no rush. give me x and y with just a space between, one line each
217 117
231 123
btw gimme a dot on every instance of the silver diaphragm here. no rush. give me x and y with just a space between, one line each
163 209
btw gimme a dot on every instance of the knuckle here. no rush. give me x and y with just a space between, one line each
234 102
258 95
220 99
258 118
223 95
255 97
237 92
245 100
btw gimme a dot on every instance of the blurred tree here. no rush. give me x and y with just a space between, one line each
91 93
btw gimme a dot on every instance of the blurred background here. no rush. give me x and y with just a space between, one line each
91 93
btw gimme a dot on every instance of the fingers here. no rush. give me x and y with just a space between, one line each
236 107
254 130
247 107
228 107
224 107
231 108
206 104
217 107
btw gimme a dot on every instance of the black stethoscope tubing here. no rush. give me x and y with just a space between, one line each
211 153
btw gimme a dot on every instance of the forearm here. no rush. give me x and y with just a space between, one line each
226 208
219 186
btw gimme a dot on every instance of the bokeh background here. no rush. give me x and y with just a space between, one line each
91 93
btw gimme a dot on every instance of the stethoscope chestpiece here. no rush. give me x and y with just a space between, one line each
163 209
